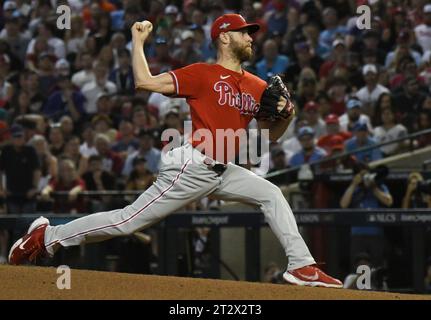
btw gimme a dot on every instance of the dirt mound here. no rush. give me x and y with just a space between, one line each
41 283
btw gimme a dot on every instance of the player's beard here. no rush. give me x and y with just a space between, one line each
241 52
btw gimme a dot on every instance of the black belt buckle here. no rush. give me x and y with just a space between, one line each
219 168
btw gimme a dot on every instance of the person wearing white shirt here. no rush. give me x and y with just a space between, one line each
99 85
86 75
353 115
45 30
370 93
388 131
423 31
88 147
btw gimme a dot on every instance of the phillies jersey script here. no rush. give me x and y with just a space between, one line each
219 98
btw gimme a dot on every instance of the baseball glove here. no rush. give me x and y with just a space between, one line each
272 105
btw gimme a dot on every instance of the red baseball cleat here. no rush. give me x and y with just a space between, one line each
31 245
311 276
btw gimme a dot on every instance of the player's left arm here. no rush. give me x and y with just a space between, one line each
278 127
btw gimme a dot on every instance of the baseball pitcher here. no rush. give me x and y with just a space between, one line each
221 96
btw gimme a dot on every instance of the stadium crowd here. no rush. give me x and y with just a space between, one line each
71 120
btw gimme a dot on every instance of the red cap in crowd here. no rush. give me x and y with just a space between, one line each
332 118
336 143
311 106
231 22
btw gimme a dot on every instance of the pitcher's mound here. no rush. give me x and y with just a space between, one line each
41 283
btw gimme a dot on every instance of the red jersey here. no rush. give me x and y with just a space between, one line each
219 98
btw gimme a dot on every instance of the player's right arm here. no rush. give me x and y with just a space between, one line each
144 80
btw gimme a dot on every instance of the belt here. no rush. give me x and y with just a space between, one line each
218 168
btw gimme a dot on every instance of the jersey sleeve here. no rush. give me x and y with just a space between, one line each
188 80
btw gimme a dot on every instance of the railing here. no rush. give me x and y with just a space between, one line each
409 137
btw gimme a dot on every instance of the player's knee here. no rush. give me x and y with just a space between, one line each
272 193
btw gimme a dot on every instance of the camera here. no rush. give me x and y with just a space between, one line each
375 176
369 179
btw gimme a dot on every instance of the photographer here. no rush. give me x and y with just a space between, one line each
417 193
367 191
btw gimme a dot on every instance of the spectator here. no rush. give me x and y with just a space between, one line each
361 139
388 131
324 103
127 142
20 165
424 123
408 102
65 101
122 76
370 93
385 101
353 115
103 124
48 162
33 89
401 50
333 130
187 53
367 191
86 74
97 179
68 181
162 60
71 151
338 59
143 119
307 87
332 28
6 90
46 72
203 43
312 116
67 127
406 69
312 33
88 147
272 63
56 139
17 40
77 34
100 84
335 147
146 150
371 39
337 92
46 31
290 142
423 31
140 177
112 162
310 152
279 162
304 58
418 193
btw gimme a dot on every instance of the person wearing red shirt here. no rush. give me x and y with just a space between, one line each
333 130
222 97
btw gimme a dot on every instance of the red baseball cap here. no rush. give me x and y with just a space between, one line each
231 22
311 106
332 118
336 143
